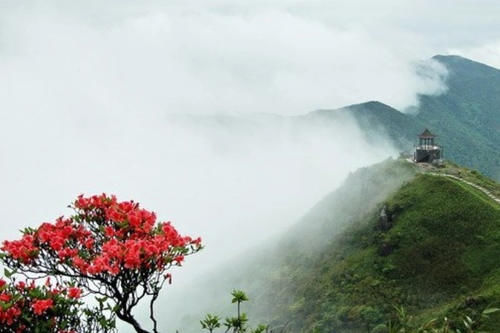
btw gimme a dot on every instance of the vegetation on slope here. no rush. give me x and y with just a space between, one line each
278 264
432 247
466 117
469 175
392 235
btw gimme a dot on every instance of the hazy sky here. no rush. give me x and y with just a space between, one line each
277 56
88 90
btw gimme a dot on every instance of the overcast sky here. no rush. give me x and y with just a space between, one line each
88 90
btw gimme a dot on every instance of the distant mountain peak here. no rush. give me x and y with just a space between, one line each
449 57
360 108
456 62
370 105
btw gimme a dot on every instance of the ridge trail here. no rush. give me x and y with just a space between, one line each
480 188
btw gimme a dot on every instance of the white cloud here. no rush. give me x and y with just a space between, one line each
192 57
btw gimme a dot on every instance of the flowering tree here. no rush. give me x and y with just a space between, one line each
113 250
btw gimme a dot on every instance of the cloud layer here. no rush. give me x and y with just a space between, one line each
287 58
91 92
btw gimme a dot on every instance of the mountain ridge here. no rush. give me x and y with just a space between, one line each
466 117
455 58
345 264
351 282
343 268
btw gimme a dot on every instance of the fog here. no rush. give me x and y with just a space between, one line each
187 106
269 271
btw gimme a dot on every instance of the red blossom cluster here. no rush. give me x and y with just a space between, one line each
115 250
26 306
105 236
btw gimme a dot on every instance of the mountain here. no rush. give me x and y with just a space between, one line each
466 117
468 114
377 118
393 235
269 272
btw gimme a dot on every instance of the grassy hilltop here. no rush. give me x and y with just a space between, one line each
432 245
394 234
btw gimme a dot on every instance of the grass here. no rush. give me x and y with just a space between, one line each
480 194
440 258
470 175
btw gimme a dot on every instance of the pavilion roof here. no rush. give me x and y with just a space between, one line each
426 134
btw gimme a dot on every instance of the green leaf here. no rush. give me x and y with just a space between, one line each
8 273
490 311
101 299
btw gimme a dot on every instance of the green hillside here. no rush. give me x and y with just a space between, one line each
272 270
394 234
468 115
466 118
433 246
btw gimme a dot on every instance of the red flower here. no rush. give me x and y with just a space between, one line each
4 297
74 292
40 306
179 259
23 249
89 243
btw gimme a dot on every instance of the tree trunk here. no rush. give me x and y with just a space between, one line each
131 320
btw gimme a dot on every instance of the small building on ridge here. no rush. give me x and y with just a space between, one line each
427 150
